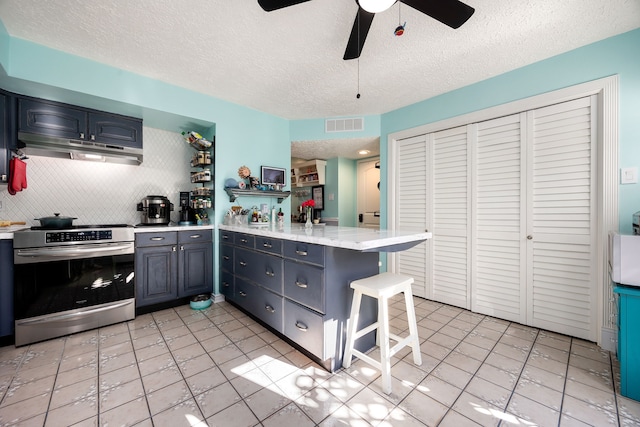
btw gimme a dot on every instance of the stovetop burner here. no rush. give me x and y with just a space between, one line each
77 227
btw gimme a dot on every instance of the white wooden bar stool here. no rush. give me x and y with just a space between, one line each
382 286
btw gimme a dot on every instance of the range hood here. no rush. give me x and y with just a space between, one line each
41 145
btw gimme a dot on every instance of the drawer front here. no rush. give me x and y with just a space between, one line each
226 236
245 240
245 294
226 285
268 244
304 283
268 307
195 236
305 327
156 239
305 252
265 270
226 257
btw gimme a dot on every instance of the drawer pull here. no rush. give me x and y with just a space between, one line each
267 245
225 284
226 258
225 237
242 263
302 253
301 285
269 308
195 236
301 326
244 241
243 294
157 239
270 273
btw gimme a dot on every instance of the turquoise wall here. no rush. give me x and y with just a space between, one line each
347 187
243 136
331 186
616 55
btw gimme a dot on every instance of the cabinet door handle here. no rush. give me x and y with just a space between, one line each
157 239
269 308
243 294
225 284
195 236
225 237
302 253
181 248
270 273
267 245
242 263
93 137
173 249
244 240
226 258
301 326
301 284
81 135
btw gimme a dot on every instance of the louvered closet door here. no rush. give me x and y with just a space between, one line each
561 220
412 197
498 265
451 211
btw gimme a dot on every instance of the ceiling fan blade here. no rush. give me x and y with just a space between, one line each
358 34
271 5
450 12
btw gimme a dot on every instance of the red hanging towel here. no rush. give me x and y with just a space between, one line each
17 175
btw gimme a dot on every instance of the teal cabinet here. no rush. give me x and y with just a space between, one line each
629 340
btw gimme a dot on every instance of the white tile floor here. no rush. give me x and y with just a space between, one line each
217 367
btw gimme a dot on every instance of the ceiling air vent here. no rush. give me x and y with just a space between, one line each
344 125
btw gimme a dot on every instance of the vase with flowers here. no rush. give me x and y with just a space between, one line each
308 206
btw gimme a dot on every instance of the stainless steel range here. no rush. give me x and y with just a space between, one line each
72 280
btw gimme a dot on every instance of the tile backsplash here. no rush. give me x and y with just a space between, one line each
102 193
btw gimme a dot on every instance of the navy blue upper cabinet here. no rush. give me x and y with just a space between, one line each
59 120
7 133
113 129
51 119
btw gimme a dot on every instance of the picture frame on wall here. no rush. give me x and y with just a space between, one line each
273 176
317 194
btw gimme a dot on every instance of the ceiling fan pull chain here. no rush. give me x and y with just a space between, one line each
358 95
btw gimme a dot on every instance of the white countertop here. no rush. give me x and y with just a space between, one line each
173 227
359 239
7 232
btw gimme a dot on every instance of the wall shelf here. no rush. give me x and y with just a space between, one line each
234 193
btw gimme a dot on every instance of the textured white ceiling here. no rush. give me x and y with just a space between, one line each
331 148
289 62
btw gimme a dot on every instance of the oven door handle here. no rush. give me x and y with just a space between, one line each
70 316
71 251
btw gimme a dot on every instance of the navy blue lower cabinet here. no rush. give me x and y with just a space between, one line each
172 265
6 288
299 290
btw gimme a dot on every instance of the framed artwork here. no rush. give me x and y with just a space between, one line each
273 176
317 194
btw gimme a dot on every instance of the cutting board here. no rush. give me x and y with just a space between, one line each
9 223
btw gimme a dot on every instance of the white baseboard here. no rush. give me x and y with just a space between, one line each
217 298
610 340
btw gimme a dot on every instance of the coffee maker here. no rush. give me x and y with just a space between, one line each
187 214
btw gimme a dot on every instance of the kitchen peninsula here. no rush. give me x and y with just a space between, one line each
296 280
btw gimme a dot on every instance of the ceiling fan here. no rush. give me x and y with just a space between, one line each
450 12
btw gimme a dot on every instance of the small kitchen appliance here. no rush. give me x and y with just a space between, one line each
187 214
156 210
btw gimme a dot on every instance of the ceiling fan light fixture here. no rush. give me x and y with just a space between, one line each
376 6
